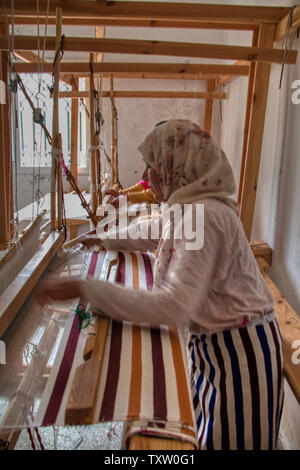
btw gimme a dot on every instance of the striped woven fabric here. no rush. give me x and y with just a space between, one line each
143 378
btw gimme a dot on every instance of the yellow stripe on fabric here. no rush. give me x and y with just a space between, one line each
182 387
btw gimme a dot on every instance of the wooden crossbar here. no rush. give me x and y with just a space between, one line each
148 94
155 11
177 49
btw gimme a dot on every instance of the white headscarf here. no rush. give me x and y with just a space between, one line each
191 166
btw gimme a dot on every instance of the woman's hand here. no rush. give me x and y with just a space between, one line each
59 290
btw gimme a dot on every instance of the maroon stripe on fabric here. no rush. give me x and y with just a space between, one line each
66 363
108 403
148 270
279 371
159 379
254 385
109 397
223 395
121 269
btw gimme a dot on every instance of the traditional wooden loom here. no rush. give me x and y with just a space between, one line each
268 25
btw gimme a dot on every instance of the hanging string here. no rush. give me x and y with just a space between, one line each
286 45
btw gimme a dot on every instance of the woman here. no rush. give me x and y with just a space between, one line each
217 291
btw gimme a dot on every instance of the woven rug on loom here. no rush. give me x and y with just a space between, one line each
143 378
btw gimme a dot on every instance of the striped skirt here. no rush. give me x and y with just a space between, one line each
237 386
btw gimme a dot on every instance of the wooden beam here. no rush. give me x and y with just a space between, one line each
74 132
5 164
99 33
247 118
288 23
140 23
15 295
261 249
144 70
177 49
93 143
289 325
148 94
55 119
140 442
210 87
155 11
255 135
30 57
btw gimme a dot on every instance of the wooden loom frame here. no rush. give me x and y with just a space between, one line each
267 24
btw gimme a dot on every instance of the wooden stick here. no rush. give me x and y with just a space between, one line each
6 182
247 118
156 11
92 142
209 107
153 70
157 443
158 23
255 136
79 409
19 290
74 132
148 94
282 26
59 189
112 127
177 49
55 116
81 404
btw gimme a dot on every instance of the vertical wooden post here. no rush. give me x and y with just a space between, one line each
248 114
6 199
55 121
59 188
113 137
256 130
92 144
74 144
99 33
210 87
74 131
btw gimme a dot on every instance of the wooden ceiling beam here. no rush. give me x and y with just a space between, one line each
142 70
288 24
177 49
154 11
112 22
147 94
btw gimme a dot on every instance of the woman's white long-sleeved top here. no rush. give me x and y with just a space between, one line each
210 289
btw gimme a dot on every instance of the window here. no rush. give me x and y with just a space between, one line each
35 150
